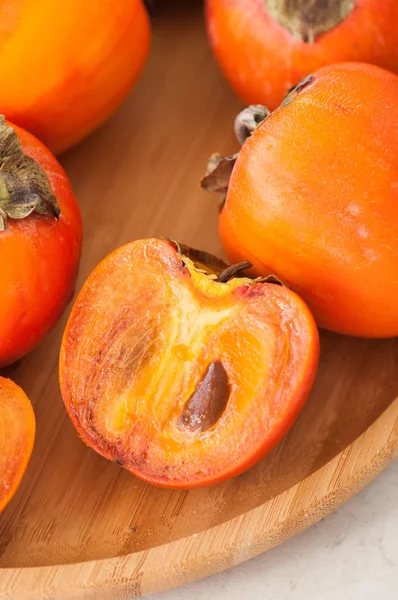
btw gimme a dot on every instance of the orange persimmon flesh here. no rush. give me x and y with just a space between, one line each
17 434
146 328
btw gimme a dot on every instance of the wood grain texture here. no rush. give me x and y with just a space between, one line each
138 177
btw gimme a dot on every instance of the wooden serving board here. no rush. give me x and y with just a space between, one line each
82 527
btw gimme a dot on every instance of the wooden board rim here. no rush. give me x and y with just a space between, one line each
202 554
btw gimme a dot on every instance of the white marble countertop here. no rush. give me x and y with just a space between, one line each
350 555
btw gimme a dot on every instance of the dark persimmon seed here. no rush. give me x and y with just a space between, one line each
173 374
208 402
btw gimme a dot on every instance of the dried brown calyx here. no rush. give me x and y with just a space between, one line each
306 19
296 89
217 269
209 264
24 187
248 120
208 402
219 168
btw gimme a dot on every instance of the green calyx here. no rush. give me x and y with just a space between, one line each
24 187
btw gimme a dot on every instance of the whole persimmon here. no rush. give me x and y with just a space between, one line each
17 435
66 65
40 239
181 371
313 197
265 47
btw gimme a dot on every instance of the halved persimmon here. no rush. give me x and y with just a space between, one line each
181 371
17 434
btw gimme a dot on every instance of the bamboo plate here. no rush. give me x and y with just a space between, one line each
81 527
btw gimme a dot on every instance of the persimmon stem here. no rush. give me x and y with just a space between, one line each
231 271
248 120
306 19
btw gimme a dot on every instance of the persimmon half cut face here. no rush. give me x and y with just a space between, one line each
17 434
180 371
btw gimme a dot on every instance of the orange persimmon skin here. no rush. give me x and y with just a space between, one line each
131 309
66 66
17 434
262 60
39 262
313 198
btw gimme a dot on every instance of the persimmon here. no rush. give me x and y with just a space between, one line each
66 66
17 434
265 47
313 197
40 239
181 371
